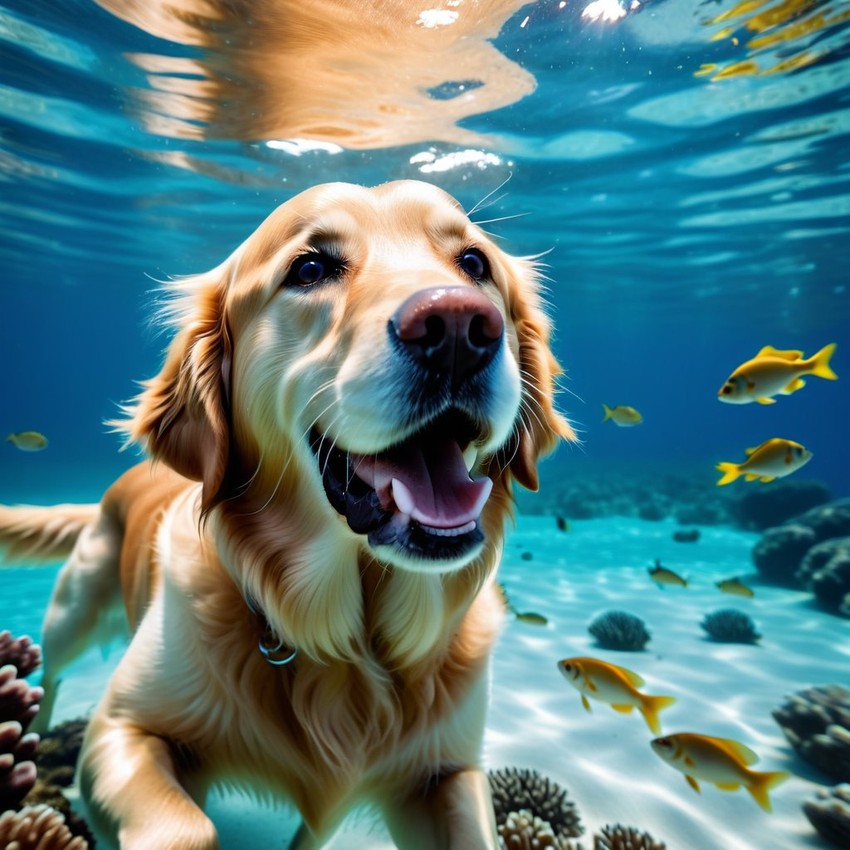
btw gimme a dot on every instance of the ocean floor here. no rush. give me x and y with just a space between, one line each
536 720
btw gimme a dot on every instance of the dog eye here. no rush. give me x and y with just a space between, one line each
474 263
310 269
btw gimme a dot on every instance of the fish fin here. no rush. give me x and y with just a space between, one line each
585 703
796 384
622 709
751 476
762 783
634 679
730 472
741 751
765 400
608 412
727 786
693 783
770 351
820 363
649 708
689 762
766 479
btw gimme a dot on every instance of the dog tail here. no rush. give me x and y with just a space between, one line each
42 535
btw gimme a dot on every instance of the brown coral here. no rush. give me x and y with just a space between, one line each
829 814
617 837
816 722
517 789
21 652
38 828
18 705
524 831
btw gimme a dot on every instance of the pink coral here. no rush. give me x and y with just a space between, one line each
38 828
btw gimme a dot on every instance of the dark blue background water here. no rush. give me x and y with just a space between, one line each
689 220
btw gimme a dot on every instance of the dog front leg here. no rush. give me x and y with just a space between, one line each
456 815
134 795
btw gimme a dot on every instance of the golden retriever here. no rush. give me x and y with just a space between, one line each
308 563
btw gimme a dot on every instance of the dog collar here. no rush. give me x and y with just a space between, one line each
273 649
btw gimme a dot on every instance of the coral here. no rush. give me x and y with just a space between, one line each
690 536
59 751
21 652
730 626
816 722
516 789
618 837
825 570
38 828
829 814
524 831
18 705
779 552
619 630
778 502
829 520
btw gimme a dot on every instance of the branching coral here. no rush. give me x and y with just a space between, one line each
730 626
18 706
516 789
619 630
829 814
20 652
816 723
524 831
618 837
38 828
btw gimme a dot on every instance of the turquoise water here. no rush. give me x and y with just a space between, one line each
682 166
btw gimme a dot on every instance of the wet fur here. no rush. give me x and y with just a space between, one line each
385 702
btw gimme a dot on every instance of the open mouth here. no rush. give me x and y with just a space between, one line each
416 496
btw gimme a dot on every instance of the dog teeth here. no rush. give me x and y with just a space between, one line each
450 532
470 456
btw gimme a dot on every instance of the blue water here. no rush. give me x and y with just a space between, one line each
684 171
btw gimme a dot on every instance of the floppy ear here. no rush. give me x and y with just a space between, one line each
182 416
541 426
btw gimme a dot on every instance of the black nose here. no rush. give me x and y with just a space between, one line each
450 332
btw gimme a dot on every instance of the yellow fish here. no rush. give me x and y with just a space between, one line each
614 685
28 441
773 372
774 458
720 761
622 415
661 576
531 617
734 586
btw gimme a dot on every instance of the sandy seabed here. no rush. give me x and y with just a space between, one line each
536 719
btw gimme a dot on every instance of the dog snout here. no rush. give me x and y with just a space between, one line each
450 332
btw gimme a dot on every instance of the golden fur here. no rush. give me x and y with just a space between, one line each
227 536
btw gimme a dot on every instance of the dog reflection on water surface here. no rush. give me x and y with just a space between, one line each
307 563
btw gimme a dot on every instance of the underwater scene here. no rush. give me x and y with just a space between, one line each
623 233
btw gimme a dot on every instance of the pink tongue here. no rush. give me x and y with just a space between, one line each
428 483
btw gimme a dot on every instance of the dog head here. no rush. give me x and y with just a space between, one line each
373 352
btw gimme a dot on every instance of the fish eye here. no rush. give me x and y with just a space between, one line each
662 742
727 388
312 268
474 263
799 450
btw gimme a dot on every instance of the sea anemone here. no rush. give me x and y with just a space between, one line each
517 790
20 652
524 831
829 814
816 722
618 837
730 626
619 630
38 828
